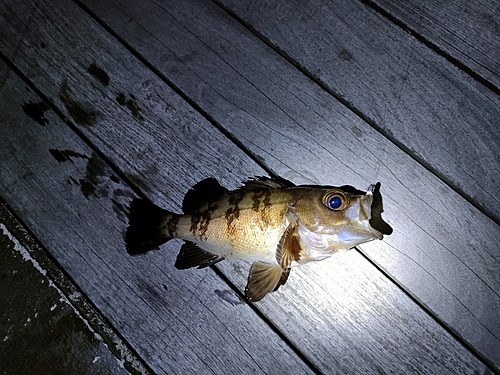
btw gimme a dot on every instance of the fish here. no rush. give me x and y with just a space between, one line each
268 222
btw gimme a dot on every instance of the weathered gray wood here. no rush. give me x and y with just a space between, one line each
360 337
92 230
444 251
178 322
468 31
170 316
42 329
434 110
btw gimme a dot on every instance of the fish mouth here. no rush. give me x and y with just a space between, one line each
376 221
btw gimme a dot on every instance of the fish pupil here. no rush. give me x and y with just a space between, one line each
335 202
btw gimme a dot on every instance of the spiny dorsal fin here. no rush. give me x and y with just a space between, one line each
191 255
207 190
262 279
262 183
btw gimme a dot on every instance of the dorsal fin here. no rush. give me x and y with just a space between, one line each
207 190
262 183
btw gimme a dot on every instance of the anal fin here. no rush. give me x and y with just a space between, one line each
191 255
264 278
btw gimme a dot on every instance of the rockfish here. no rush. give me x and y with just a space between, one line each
269 222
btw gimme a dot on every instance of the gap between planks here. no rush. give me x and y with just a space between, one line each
80 302
161 77
348 105
139 193
407 28
358 112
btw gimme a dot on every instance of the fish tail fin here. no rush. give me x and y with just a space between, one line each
149 226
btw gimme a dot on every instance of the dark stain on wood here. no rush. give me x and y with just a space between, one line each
66 155
95 169
150 292
36 111
229 296
345 55
81 115
129 103
99 74
114 178
120 199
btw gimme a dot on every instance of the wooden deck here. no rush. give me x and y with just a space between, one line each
105 100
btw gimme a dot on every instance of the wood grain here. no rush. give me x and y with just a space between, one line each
178 322
468 31
444 251
430 108
189 320
141 126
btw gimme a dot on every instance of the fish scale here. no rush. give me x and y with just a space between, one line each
271 223
237 227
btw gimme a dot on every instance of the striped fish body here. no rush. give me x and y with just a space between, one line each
270 223
241 225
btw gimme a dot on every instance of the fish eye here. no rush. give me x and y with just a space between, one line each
334 200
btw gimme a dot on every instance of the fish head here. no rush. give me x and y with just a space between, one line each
334 218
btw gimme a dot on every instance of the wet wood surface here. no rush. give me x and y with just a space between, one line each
102 101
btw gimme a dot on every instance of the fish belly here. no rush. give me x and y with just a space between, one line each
246 236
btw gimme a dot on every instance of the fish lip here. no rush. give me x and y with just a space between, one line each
376 208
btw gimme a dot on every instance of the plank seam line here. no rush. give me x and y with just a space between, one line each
434 47
70 124
372 123
177 90
266 320
430 313
83 304
137 191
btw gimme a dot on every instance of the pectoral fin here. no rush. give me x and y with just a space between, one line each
264 278
289 247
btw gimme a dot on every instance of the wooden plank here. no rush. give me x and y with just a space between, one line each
75 204
305 135
421 101
354 310
468 31
159 309
36 313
